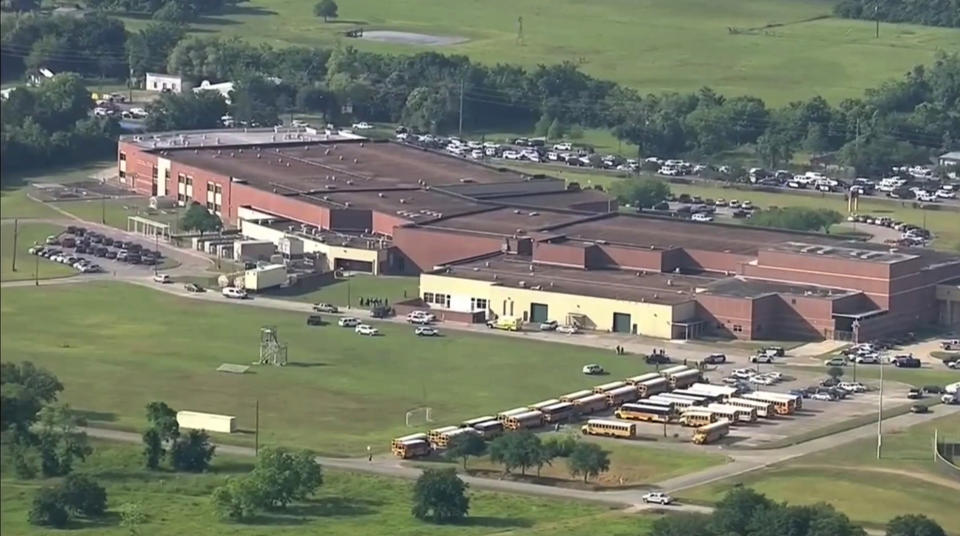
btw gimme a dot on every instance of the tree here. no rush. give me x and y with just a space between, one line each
189 110
192 452
796 218
82 496
465 446
542 126
163 419
326 9
284 476
198 218
835 372
589 460
59 441
555 132
148 49
47 510
734 513
238 499
440 496
152 449
683 525
24 389
427 108
522 449
914 525
560 446
132 516
640 193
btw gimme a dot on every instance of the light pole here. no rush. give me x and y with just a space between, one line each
880 415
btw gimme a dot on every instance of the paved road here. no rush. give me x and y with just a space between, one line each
743 462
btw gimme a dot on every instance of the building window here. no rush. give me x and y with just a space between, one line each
478 304
737 328
123 173
793 301
123 157
428 297
443 300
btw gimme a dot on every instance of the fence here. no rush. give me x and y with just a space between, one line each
944 454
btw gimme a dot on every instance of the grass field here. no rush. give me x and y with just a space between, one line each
349 291
114 212
27 264
904 481
630 464
346 504
340 392
14 203
942 223
651 46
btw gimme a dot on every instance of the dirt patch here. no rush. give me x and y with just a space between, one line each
409 38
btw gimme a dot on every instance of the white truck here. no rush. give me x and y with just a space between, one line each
950 398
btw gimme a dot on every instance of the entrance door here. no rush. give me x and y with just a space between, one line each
621 323
538 312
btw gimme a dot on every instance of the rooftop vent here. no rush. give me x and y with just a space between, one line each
516 211
531 268
403 201
522 284
380 194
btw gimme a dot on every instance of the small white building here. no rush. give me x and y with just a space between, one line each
949 159
164 82
210 422
38 76
264 277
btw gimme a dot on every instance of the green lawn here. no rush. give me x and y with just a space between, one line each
27 265
14 203
346 504
114 212
904 481
651 46
340 392
392 288
630 464
942 222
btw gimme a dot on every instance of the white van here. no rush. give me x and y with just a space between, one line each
701 217
235 293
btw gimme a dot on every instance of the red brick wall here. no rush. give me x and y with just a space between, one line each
139 174
289 207
560 254
426 248
709 261
385 223
721 313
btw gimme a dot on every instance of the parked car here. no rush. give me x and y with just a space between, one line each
823 396
835 362
325 308
657 359
162 279
426 331
914 393
193 287
366 329
906 362
919 408
657 497
235 293
762 358
568 329
868 359
592 369
348 322
315 320
715 359
549 325
853 387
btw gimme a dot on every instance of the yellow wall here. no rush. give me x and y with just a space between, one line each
651 319
330 252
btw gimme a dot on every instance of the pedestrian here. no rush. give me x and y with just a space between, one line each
557 427
684 361
404 294
369 454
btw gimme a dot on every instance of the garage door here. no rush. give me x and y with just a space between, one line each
621 323
538 312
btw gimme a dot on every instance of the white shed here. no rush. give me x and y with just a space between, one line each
164 82
210 422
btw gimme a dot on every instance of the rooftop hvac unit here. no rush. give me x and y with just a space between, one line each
380 194
531 268
346 204
522 284
403 201
516 211
486 263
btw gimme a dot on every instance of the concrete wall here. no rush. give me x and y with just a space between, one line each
650 319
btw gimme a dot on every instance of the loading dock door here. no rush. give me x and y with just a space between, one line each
538 312
621 323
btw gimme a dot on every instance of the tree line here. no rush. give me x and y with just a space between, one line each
927 12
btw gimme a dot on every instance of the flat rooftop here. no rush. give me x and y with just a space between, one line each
556 200
507 221
753 288
413 205
513 271
330 166
235 137
646 231
843 252
309 232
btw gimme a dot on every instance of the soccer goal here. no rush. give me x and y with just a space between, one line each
419 416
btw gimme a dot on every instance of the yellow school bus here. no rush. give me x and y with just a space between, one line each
609 428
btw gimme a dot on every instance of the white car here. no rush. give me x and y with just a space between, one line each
592 369
946 194
701 217
511 155
476 154
743 373
774 375
868 359
762 358
348 322
426 331
669 171
569 330
421 317
362 125
235 293
852 387
563 147
162 278
657 497
366 329
822 396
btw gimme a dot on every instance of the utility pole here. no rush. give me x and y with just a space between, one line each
156 264
256 432
15 245
103 209
876 16
460 127
36 271
880 415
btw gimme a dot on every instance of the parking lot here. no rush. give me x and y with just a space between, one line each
92 252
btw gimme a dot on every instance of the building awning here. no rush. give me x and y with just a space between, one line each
687 323
860 316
